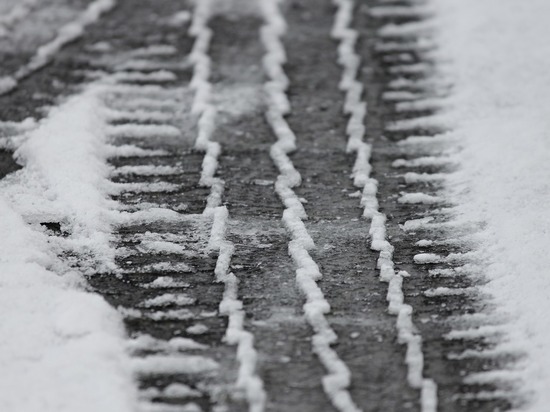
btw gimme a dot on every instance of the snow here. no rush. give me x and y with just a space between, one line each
496 54
396 11
168 299
355 130
58 342
173 314
166 282
197 329
144 131
415 198
77 194
156 50
165 267
173 364
174 390
159 76
139 116
411 177
248 380
129 150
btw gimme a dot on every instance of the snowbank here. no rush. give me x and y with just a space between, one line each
497 54
61 349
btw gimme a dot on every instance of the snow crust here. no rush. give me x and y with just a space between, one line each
496 53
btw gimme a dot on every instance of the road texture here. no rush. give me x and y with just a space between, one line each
265 350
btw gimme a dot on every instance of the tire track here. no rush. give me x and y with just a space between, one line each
338 379
291 372
406 97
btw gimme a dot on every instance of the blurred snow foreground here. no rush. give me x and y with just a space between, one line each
61 348
496 54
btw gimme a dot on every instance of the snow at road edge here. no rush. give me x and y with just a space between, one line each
496 53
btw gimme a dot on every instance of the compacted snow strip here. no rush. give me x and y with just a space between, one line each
247 379
61 349
357 110
338 379
66 34
496 53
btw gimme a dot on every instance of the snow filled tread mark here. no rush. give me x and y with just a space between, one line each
337 381
247 380
357 108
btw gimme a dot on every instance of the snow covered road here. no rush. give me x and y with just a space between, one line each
286 205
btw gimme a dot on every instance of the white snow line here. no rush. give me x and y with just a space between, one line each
174 314
427 161
142 64
494 377
168 407
158 76
406 30
402 95
429 103
418 46
202 107
129 150
419 198
247 379
412 177
173 364
417 68
146 104
157 50
66 34
143 131
129 116
155 187
338 379
172 391
435 121
356 108
485 331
